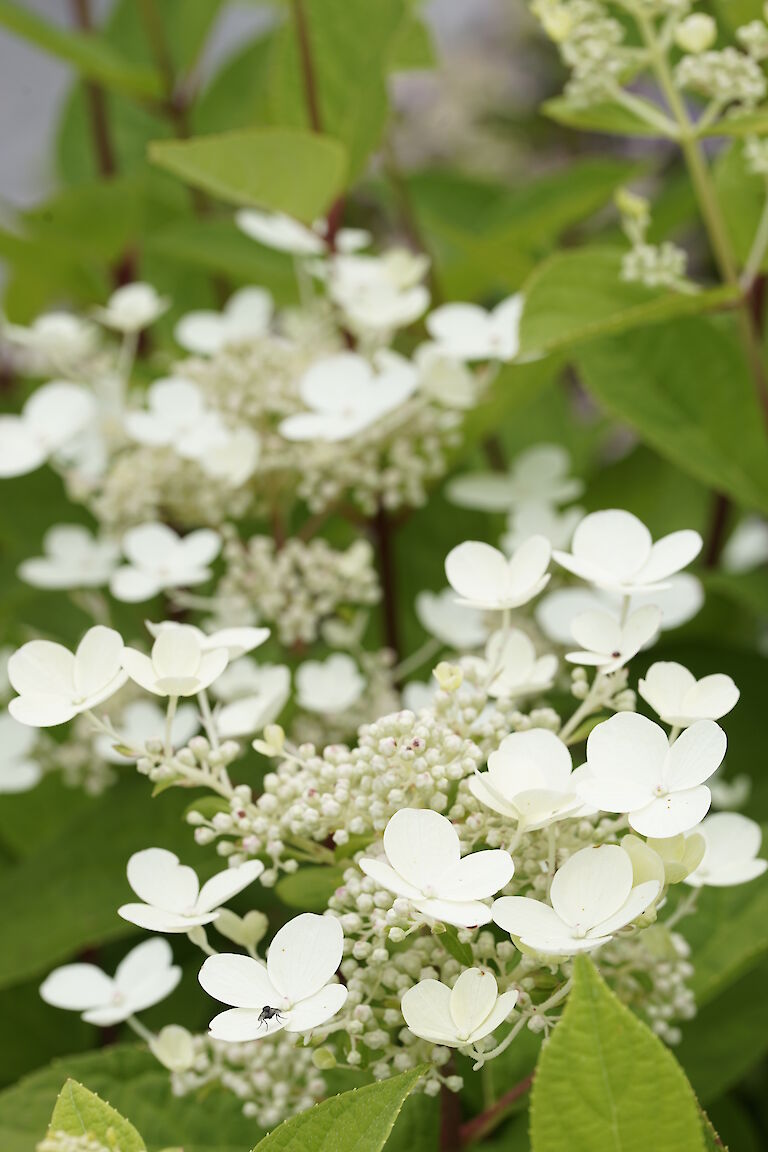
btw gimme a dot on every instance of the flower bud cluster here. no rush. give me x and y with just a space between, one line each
296 587
725 77
58 1141
274 1077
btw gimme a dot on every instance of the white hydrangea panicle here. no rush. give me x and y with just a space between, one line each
614 550
484 577
529 780
460 1016
593 897
53 416
330 685
143 978
171 895
54 684
424 865
73 558
19 768
159 559
469 332
294 990
632 768
344 394
246 317
609 644
178 665
679 699
732 842
132 307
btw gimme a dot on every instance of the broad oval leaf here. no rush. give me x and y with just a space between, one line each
356 1121
605 1083
286 170
79 1112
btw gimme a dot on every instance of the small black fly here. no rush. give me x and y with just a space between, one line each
268 1014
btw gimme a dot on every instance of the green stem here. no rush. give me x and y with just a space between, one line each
757 251
169 718
707 201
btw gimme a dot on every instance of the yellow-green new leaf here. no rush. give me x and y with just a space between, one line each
79 1112
356 1121
605 1083
283 169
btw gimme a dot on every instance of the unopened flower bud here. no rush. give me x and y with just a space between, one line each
696 33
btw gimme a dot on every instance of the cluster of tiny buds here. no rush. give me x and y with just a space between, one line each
199 755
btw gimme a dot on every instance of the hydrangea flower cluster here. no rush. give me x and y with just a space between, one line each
458 840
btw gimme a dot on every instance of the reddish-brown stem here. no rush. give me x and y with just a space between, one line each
381 526
481 1125
98 113
450 1121
307 66
718 529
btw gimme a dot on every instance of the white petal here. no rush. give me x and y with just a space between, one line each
281 232
140 669
43 668
477 876
133 585
528 760
304 955
157 877
202 332
77 987
472 998
97 660
143 962
211 667
237 641
386 876
57 411
336 383
670 815
498 1014
241 1024
665 687
462 914
41 711
597 632
151 545
712 697
176 653
240 981
521 916
426 1008
669 555
614 542
628 749
20 450
478 572
486 491
222 887
457 625
591 886
422 846
158 920
478 786
527 568
695 755
636 903
200 548
315 1010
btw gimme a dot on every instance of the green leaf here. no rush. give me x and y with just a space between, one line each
79 1112
744 124
286 170
741 195
137 1086
95 221
411 46
350 46
53 912
686 388
576 296
310 888
461 952
237 96
605 1083
356 1121
614 119
93 58
728 935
